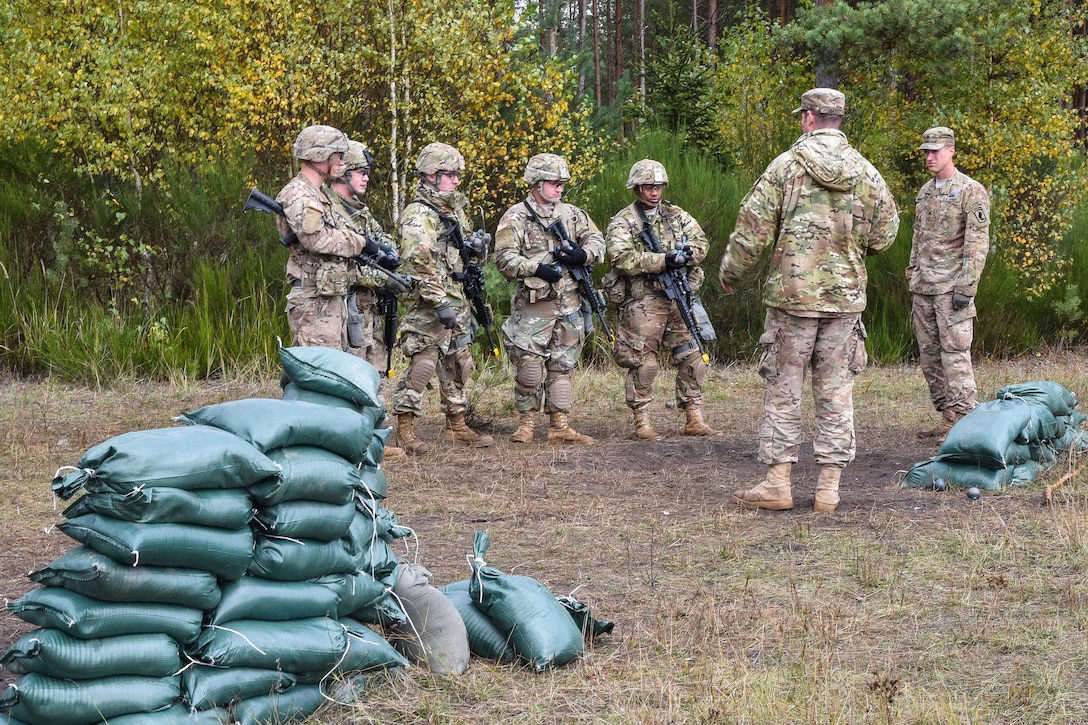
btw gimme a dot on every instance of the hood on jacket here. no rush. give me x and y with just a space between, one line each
829 159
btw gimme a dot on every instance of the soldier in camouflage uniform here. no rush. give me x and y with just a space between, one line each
649 322
364 320
545 330
320 268
951 240
438 326
820 208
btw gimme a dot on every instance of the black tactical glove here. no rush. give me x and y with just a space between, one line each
446 315
676 259
959 301
549 272
571 256
478 243
394 285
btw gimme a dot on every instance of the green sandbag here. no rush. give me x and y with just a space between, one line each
225 553
310 474
294 705
268 424
540 628
294 392
294 560
207 687
333 372
86 618
363 597
996 433
300 645
191 457
375 451
219 508
367 650
484 638
176 714
373 483
251 597
54 653
435 635
38 698
369 552
968 475
383 520
1054 396
85 571
305 520
1073 440
591 628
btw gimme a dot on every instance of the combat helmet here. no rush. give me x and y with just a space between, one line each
546 167
318 143
437 157
358 156
647 171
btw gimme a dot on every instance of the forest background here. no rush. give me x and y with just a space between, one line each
131 133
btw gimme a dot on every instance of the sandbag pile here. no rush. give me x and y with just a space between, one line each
227 569
1007 441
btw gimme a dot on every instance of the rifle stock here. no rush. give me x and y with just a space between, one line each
583 276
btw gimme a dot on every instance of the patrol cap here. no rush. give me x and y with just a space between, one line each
937 138
825 101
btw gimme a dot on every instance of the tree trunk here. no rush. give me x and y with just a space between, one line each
712 24
617 35
581 46
596 55
826 77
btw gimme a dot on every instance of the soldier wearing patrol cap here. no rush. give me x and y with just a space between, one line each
649 322
951 239
320 268
545 331
821 209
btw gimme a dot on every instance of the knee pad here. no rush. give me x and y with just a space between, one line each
529 376
647 371
422 369
694 367
460 366
561 390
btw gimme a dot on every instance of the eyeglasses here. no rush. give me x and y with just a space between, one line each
451 174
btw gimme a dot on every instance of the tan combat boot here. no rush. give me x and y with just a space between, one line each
524 433
941 429
393 453
559 431
773 493
406 435
827 489
643 428
695 425
457 431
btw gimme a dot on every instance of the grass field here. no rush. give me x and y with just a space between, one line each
905 606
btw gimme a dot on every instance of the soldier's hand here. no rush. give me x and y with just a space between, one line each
571 256
959 301
446 315
676 259
395 285
478 243
549 272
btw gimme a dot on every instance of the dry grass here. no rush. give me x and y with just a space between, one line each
906 606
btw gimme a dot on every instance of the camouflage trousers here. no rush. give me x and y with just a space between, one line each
430 349
372 343
834 349
647 327
944 347
317 321
544 345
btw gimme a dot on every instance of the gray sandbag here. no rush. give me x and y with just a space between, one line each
305 520
90 573
293 560
176 714
996 434
54 653
969 475
224 552
218 508
294 705
367 651
309 474
209 687
39 698
1054 396
484 638
365 598
539 627
191 457
269 423
333 372
252 597
86 618
434 635
300 645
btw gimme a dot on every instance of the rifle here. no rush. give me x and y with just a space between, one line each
472 278
385 260
387 306
582 274
675 283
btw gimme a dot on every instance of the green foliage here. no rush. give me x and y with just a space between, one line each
678 94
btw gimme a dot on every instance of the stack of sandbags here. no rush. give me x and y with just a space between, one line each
163 520
1007 441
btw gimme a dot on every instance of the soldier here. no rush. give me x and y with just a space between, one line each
821 208
951 239
545 331
438 327
364 320
649 321
320 268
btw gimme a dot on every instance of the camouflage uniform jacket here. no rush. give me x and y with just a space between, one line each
951 237
521 243
822 208
357 217
320 263
631 257
427 252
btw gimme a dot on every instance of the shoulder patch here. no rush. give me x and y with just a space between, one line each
979 215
